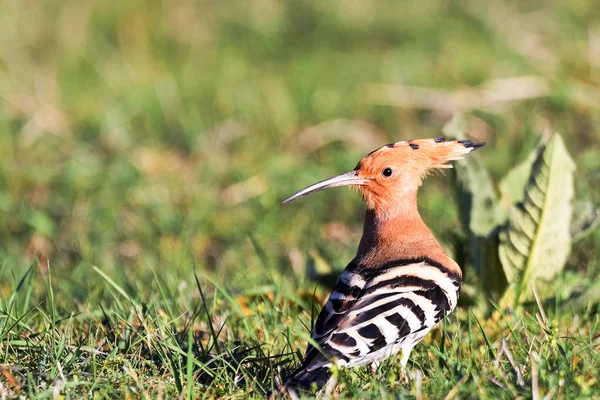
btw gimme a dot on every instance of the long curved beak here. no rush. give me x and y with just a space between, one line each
349 178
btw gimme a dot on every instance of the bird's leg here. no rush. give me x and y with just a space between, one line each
374 366
330 386
403 361
404 377
293 394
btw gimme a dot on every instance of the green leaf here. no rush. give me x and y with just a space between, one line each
512 186
586 218
535 243
477 198
479 213
478 201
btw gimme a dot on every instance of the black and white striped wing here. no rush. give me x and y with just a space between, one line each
371 313
341 300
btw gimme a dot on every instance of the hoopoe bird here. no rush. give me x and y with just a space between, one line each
401 283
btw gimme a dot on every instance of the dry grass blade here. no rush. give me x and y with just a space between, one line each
452 393
128 369
241 191
535 389
492 92
542 314
3 392
514 366
359 134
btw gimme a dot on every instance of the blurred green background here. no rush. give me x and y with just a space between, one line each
155 137
133 130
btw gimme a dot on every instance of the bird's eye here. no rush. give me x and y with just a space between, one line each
387 172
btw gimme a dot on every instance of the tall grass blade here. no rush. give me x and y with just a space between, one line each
112 283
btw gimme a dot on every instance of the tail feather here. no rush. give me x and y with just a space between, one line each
307 380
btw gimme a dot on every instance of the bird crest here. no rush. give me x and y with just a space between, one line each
389 177
421 155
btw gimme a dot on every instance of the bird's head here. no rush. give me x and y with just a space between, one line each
388 178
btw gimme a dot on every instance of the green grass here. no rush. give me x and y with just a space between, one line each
145 148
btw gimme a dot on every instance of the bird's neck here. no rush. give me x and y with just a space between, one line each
404 235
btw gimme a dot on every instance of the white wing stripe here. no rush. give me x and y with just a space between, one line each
421 270
426 305
364 306
352 279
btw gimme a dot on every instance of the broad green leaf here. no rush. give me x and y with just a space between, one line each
535 243
455 129
512 186
478 201
477 198
479 213
586 218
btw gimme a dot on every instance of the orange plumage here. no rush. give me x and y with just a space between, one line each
409 161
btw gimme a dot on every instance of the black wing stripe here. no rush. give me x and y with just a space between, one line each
416 309
399 322
381 309
373 309
370 331
340 301
378 343
343 339
344 291
407 261
427 276
384 331
340 306
401 281
438 299
375 300
421 306
326 321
